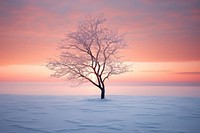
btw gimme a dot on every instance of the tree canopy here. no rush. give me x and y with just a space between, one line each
91 53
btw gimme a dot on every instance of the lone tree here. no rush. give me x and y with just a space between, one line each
90 54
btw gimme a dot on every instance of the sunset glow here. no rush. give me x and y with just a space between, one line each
162 37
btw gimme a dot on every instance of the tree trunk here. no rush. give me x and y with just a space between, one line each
102 93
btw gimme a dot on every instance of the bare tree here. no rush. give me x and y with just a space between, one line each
90 54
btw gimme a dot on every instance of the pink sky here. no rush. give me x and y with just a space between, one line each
163 37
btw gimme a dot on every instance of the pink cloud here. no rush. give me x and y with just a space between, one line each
157 31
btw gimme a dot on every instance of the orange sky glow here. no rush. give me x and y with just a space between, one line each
162 37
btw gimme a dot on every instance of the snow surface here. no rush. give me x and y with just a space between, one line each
89 114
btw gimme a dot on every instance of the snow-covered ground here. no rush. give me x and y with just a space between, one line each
89 114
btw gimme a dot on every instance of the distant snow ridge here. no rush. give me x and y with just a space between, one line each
81 114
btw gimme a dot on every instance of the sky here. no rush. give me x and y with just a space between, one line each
162 36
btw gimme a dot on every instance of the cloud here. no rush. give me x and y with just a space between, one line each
188 73
157 30
156 71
